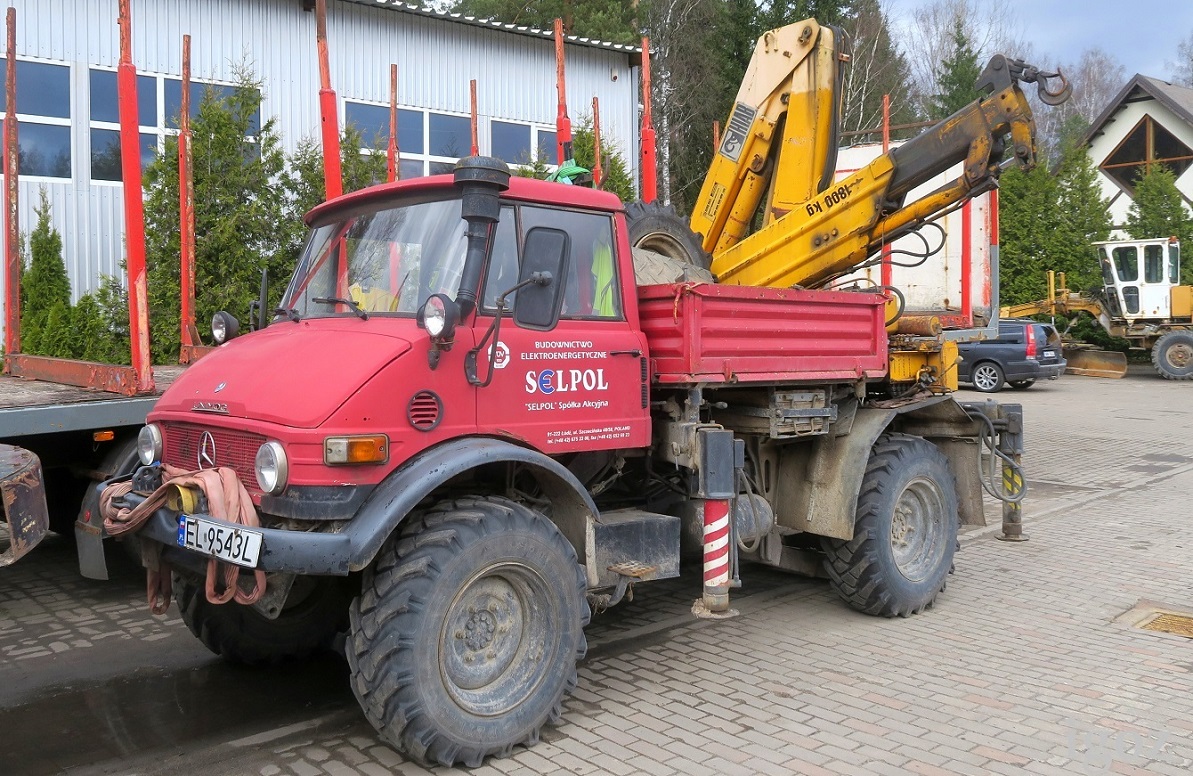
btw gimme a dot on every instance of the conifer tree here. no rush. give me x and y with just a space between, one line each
44 284
956 76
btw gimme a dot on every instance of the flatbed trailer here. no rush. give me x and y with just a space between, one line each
60 439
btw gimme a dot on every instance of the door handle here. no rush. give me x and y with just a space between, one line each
634 353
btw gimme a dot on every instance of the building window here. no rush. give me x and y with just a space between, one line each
159 105
372 121
43 118
430 143
1146 144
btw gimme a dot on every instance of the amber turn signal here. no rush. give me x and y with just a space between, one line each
356 449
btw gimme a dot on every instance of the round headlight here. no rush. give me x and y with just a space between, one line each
271 467
223 327
149 444
435 315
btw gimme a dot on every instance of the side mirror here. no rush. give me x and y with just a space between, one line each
545 260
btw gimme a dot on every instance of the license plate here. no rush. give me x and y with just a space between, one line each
241 546
1049 353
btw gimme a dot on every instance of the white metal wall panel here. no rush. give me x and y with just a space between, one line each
936 284
436 59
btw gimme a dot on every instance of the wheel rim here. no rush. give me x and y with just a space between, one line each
666 244
985 377
917 528
494 639
1179 355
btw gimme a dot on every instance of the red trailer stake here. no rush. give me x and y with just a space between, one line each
648 170
563 125
12 226
134 214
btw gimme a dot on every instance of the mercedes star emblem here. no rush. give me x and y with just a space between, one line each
207 451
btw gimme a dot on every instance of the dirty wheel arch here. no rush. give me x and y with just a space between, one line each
466 635
905 533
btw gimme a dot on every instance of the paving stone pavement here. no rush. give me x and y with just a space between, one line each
1028 664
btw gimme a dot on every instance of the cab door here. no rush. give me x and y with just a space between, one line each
1155 292
582 384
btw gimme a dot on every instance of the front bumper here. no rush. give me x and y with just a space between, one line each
298 552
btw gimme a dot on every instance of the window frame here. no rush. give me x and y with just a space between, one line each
54 121
162 130
425 159
1147 125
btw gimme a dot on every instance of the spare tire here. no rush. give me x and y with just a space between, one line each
660 229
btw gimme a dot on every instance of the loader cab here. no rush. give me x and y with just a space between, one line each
1140 277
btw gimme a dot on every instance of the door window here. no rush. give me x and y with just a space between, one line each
1126 263
1131 299
592 290
1153 264
1174 264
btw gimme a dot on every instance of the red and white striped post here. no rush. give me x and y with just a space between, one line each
716 555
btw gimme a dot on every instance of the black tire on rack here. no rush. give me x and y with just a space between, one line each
467 631
659 228
905 532
315 612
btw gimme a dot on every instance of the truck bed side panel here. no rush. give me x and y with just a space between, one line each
706 333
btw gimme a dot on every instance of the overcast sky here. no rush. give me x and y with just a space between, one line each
1141 34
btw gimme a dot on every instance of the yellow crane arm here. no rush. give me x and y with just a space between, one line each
780 143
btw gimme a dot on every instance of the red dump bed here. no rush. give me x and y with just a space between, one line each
707 333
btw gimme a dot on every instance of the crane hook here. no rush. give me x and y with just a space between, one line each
1053 96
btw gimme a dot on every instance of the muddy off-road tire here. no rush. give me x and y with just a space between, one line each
316 611
467 632
1172 355
659 228
902 548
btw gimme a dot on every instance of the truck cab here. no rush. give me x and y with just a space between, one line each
1142 279
345 385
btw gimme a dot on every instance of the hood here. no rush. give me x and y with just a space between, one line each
294 374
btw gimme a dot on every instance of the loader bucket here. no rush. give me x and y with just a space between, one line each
24 498
1096 363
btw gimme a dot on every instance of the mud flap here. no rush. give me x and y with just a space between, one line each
89 535
1096 363
24 498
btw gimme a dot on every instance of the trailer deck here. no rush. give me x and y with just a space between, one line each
39 407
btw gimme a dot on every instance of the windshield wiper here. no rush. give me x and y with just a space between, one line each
360 311
290 313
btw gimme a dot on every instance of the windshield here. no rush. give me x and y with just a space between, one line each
385 261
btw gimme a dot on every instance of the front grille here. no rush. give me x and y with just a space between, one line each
236 449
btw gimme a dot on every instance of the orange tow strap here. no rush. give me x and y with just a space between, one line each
227 500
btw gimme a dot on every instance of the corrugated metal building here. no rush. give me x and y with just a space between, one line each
68 51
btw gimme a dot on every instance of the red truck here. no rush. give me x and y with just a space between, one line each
481 412
455 484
